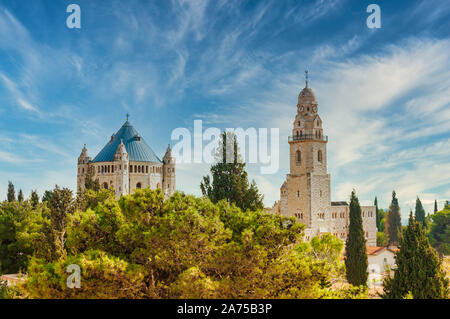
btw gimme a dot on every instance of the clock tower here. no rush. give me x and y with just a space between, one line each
308 184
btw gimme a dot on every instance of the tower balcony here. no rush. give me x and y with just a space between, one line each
307 137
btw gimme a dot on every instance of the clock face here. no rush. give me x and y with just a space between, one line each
301 108
315 109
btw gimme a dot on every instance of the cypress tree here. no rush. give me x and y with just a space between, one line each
419 214
355 246
11 196
435 206
20 196
393 220
378 215
419 269
229 178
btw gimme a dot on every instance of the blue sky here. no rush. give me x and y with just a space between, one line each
383 93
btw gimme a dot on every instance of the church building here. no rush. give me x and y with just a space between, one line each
127 163
305 194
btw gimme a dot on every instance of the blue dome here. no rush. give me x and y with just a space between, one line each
137 149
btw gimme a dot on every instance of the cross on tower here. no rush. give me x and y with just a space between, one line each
306 77
128 115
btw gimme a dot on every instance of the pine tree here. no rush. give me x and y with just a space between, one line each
419 269
419 214
356 257
11 196
20 196
435 206
34 199
393 220
229 178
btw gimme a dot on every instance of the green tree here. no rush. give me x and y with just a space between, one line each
47 196
34 199
419 271
20 196
378 216
419 214
11 196
435 206
102 277
19 229
355 246
61 204
382 239
393 220
439 234
229 178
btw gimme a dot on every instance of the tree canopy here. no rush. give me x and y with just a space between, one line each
147 246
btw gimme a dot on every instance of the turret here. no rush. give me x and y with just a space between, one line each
169 178
83 166
121 162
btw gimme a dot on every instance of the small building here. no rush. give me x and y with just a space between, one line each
13 279
381 259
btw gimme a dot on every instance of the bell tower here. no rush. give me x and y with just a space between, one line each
121 163
169 177
83 166
308 184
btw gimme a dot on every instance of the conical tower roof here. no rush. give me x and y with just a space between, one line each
136 147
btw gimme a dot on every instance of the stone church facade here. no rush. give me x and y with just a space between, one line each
305 194
127 163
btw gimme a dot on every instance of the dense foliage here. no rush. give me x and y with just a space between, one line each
419 272
148 246
440 231
355 246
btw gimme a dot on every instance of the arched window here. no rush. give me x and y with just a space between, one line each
139 169
105 185
298 157
319 156
138 185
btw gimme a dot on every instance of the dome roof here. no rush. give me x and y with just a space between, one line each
135 146
307 96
